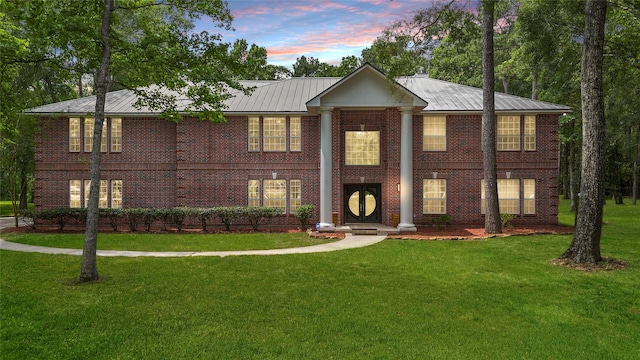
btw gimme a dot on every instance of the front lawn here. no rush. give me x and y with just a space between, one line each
400 299
171 241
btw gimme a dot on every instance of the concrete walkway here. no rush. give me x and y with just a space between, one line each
349 242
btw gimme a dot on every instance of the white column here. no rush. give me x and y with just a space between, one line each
326 171
406 171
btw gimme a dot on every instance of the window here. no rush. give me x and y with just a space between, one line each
75 193
254 192
434 196
254 134
508 196
434 131
508 132
294 195
275 133
529 196
102 198
273 130
116 135
88 135
74 136
81 132
530 133
116 194
275 194
295 134
362 148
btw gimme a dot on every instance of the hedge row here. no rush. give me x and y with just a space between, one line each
134 217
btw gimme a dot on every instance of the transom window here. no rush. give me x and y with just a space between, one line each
434 131
434 196
362 147
275 194
270 133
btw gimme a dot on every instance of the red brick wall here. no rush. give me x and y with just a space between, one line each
195 163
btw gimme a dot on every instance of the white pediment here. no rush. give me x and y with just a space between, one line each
366 88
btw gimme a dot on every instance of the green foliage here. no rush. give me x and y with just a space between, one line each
507 220
258 215
134 216
59 216
228 215
114 216
463 288
303 213
440 220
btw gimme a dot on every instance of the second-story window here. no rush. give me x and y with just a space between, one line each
270 133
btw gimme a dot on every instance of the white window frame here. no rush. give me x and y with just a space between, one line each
274 194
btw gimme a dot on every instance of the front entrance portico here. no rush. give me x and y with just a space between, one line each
366 89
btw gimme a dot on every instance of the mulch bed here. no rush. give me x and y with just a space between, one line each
476 232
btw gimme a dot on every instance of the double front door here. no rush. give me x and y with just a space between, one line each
362 203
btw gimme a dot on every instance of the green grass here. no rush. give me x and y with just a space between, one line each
490 299
171 242
7 210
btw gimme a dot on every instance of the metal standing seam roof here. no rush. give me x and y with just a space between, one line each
291 95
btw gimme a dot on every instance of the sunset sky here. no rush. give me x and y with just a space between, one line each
327 30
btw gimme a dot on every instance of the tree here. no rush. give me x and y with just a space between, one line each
585 247
306 67
492 224
171 62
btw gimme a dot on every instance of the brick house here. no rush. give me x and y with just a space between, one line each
360 148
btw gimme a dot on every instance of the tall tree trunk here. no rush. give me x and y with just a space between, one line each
89 269
534 85
585 247
573 182
492 222
564 169
505 85
636 167
23 187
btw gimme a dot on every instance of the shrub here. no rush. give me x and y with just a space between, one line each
507 219
27 214
203 215
164 215
113 215
178 215
149 216
134 215
303 213
228 215
258 215
443 219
